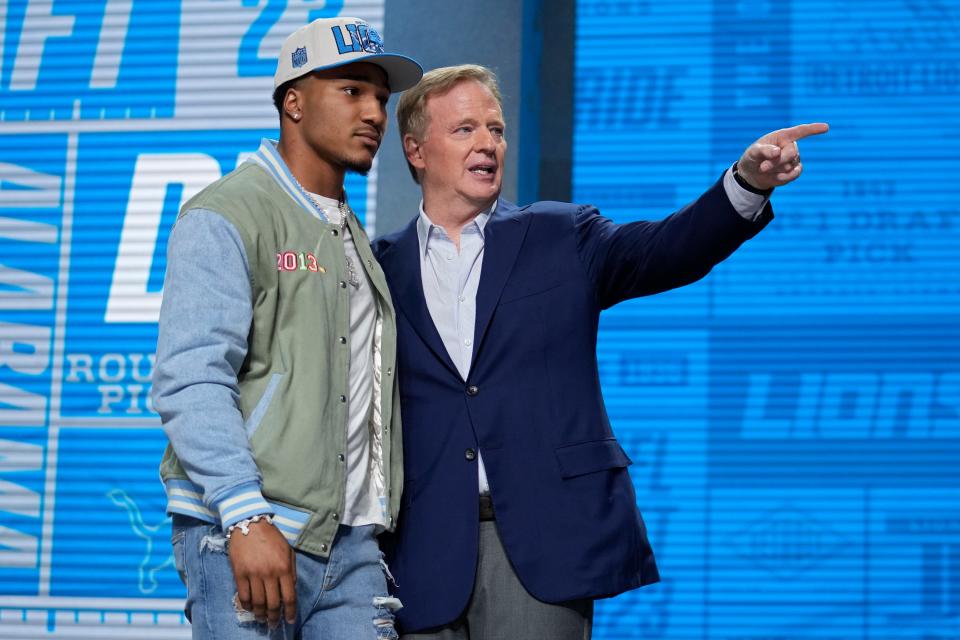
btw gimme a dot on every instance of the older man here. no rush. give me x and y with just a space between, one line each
518 510
274 375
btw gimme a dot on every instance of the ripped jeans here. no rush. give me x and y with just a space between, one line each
343 596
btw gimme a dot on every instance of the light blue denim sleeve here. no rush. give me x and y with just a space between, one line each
204 321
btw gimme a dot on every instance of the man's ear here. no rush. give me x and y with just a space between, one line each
292 104
413 151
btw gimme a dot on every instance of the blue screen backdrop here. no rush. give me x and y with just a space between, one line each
112 114
794 418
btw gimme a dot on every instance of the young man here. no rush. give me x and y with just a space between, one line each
518 509
275 365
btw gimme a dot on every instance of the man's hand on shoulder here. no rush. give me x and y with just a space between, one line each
265 569
774 159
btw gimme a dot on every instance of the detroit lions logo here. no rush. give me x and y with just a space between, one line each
157 555
362 38
373 42
299 57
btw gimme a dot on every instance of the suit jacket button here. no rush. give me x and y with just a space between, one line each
473 390
470 454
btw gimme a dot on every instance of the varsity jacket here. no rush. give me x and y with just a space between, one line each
253 355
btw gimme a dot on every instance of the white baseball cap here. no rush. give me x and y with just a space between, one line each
326 43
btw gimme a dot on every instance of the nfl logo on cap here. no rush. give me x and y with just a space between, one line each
328 43
299 57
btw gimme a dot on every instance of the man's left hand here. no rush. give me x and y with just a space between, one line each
774 159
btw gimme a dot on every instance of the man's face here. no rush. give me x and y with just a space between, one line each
461 155
344 114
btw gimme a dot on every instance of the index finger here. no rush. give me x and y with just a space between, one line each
803 130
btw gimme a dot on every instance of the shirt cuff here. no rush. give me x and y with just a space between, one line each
746 203
242 502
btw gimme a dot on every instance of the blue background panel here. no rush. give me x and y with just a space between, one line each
794 419
22 467
783 558
829 405
656 389
74 58
915 567
112 378
827 445
112 113
111 535
31 210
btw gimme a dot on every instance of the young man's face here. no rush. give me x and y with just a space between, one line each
461 154
343 114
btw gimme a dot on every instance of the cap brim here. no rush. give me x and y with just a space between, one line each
402 72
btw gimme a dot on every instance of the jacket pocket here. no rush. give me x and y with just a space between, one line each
588 457
517 291
256 416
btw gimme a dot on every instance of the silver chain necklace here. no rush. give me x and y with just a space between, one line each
352 276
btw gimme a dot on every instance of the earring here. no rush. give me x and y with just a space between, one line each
295 115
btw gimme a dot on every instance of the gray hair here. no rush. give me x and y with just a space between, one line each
412 108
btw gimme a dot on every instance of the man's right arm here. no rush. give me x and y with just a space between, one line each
204 322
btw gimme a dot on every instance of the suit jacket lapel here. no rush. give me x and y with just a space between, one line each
401 263
502 237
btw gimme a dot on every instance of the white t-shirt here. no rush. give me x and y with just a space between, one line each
362 505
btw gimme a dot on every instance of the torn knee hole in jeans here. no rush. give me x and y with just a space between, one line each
386 571
213 542
243 616
383 618
389 603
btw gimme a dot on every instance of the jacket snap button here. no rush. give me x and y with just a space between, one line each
335 232
470 454
473 390
343 340
340 457
343 398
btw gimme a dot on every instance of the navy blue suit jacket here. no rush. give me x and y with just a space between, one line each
565 506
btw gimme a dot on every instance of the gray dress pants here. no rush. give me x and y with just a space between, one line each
501 609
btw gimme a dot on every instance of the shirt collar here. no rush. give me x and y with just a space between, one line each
425 225
268 157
